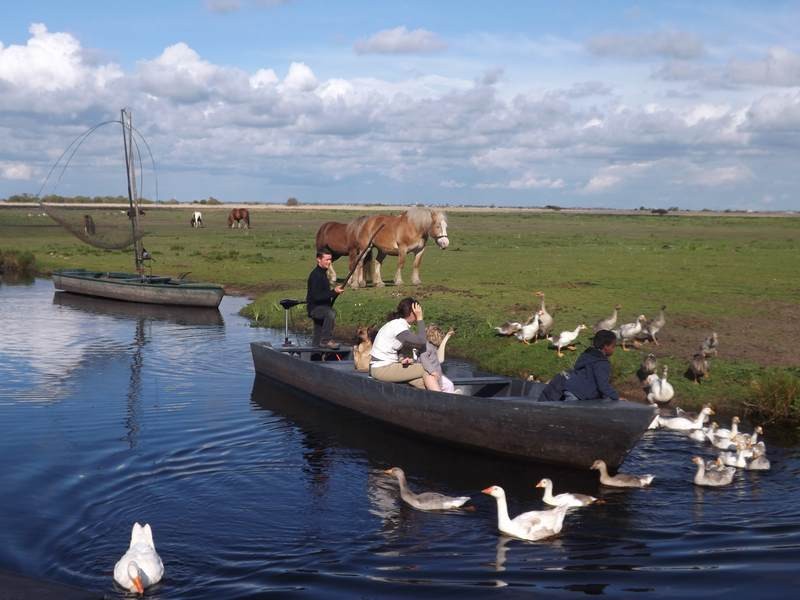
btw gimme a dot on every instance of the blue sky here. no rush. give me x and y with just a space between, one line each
613 104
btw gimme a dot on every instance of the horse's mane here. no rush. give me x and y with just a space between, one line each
423 218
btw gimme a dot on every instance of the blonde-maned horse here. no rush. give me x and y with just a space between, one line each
340 239
401 235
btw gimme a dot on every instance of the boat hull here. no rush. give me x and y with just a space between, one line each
574 434
132 288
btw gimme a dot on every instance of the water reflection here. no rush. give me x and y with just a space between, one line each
142 314
178 315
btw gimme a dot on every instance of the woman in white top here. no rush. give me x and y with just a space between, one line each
386 364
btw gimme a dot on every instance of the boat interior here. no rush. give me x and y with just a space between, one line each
466 380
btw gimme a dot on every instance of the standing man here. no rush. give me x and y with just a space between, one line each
319 301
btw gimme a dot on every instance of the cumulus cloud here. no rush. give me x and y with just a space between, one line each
401 41
526 182
300 78
666 44
614 175
10 170
718 176
223 6
779 67
466 134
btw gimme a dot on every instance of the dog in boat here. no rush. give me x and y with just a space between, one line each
363 348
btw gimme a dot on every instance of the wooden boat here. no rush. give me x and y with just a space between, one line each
132 287
494 414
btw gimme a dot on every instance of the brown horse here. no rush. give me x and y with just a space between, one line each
340 239
240 217
402 235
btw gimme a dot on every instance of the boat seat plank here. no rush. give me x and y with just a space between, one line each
485 380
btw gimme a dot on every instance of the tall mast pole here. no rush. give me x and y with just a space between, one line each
130 171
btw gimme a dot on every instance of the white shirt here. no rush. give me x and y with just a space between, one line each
386 344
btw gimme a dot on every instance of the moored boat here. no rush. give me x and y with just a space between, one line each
132 287
493 414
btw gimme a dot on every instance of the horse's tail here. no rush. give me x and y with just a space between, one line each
247 217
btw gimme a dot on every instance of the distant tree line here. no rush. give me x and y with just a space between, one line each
56 199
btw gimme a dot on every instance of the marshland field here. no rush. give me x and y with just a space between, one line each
736 275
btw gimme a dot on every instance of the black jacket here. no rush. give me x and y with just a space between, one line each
590 378
319 291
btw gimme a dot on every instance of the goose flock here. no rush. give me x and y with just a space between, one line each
737 449
657 389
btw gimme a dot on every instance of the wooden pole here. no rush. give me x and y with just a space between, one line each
130 172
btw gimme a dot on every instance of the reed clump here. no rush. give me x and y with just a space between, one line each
13 262
775 396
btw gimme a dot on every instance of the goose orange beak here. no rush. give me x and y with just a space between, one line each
137 583
487 491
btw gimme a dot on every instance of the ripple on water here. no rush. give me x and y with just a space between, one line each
107 419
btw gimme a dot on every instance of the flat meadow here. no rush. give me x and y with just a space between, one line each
736 275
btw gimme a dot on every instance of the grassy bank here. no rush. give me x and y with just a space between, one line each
734 275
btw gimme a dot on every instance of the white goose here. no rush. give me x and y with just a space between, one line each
533 525
565 339
751 438
759 463
141 566
706 434
546 320
620 479
425 500
683 423
508 328
736 459
711 478
729 433
529 330
628 331
661 390
565 499
608 322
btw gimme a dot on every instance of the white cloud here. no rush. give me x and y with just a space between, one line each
614 175
300 78
780 67
12 170
263 78
401 41
719 176
223 6
667 44
526 182
457 132
602 182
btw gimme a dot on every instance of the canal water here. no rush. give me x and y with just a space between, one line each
112 413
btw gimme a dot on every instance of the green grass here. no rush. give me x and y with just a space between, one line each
711 272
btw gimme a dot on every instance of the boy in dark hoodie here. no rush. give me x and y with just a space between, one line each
590 378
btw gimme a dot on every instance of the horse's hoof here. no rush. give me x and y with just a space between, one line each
380 284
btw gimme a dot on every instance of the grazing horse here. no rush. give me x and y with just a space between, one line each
340 239
239 216
197 219
401 235
88 225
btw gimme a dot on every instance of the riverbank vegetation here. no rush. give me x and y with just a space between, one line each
737 276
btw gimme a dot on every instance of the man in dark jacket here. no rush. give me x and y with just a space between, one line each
590 378
319 301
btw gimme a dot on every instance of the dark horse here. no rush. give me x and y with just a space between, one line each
88 225
240 217
340 239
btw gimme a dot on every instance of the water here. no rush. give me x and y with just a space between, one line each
111 414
